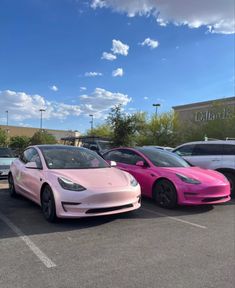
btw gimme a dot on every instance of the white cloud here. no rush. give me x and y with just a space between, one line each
83 88
100 101
118 72
93 74
108 56
146 98
22 106
54 88
216 15
150 43
120 48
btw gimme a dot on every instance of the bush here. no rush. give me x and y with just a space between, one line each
42 137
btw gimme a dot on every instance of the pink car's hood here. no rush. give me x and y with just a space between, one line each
95 178
203 175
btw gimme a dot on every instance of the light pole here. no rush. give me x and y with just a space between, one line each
7 118
41 110
92 122
156 105
7 125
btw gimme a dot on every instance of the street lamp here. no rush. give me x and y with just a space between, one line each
7 117
41 110
92 122
156 105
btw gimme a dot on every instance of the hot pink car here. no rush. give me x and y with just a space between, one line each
169 179
72 182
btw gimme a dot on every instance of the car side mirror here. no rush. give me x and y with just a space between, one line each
31 165
113 163
140 164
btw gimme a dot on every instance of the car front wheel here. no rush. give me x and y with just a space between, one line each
48 204
165 194
12 190
231 179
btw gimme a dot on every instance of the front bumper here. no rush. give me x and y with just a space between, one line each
70 204
205 195
4 173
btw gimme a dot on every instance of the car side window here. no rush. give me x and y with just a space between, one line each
130 157
186 150
114 155
31 155
208 149
228 149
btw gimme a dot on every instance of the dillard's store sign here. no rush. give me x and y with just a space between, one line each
214 114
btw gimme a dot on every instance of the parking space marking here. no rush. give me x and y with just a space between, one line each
175 218
42 256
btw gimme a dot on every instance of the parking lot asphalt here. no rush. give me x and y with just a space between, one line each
151 247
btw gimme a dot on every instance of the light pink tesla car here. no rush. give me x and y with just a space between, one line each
169 179
72 182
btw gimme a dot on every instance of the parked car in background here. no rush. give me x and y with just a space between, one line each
98 145
216 155
71 182
95 143
169 179
169 149
6 158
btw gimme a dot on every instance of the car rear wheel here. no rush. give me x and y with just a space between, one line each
165 194
12 190
231 179
48 204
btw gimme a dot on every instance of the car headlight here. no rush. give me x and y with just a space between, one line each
188 179
133 181
70 185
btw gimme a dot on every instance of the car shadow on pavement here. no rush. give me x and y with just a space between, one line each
27 216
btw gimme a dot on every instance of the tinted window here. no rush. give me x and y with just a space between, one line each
27 155
63 157
161 158
6 153
123 156
228 149
186 150
130 157
208 149
114 155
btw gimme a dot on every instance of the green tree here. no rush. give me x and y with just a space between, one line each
103 130
42 137
3 137
158 130
123 126
19 142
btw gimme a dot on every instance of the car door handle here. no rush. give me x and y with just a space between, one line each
216 160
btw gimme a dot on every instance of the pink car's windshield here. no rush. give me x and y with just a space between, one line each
161 158
65 157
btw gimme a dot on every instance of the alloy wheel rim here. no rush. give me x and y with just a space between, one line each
47 203
164 194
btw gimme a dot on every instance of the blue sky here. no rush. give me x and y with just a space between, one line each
51 57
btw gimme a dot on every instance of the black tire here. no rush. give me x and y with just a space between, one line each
12 190
165 194
48 204
231 178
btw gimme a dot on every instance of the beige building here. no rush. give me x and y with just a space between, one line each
202 112
29 131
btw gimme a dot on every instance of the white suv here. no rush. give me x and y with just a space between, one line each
216 155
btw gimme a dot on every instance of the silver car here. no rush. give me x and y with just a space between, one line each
217 155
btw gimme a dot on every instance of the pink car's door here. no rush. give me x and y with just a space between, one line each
30 178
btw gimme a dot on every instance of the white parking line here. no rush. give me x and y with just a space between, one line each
175 218
43 258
